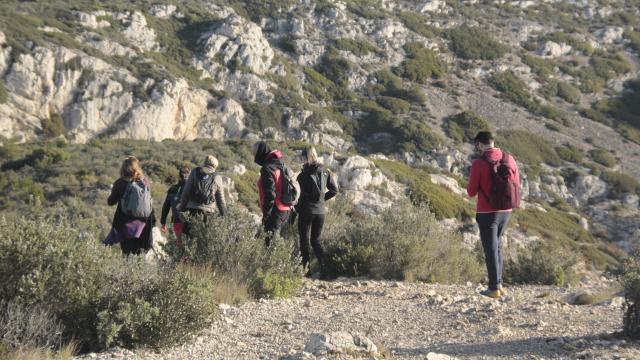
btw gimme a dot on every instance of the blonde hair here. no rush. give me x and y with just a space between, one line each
131 169
211 161
310 154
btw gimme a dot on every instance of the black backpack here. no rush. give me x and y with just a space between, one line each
319 180
203 187
290 190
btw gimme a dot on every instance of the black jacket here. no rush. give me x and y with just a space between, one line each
270 162
171 203
120 218
316 186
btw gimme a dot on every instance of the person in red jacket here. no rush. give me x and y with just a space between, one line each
274 212
491 221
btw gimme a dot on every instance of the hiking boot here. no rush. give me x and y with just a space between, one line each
494 294
503 292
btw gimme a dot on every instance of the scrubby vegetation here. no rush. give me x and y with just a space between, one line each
441 202
629 275
422 64
356 46
4 95
603 157
464 126
474 43
528 147
403 243
539 263
569 152
111 300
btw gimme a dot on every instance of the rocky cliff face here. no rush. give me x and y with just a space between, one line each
308 71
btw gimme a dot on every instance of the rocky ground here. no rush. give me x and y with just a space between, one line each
370 319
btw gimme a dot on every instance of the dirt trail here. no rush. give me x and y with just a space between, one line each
409 321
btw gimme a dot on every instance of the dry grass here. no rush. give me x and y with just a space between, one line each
227 289
35 353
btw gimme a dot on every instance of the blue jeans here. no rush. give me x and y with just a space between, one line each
492 226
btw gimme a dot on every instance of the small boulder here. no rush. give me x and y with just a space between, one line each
340 342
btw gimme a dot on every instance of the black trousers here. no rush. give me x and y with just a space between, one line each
273 223
132 246
311 223
492 227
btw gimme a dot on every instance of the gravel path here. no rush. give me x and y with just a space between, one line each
411 321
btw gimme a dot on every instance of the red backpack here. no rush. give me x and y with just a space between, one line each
505 192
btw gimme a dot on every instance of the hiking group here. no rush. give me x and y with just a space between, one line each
494 178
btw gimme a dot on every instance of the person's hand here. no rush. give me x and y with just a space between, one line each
164 228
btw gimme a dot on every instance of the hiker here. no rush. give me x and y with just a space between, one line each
133 219
203 192
174 195
316 186
275 211
495 178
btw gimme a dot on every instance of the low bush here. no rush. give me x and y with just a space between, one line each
528 147
417 23
513 89
464 126
230 245
422 64
441 202
569 152
568 92
261 116
100 298
603 157
634 39
539 264
23 326
395 105
629 275
356 46
404 243
621 184
474 44
335 68
608 66
4 95
54 126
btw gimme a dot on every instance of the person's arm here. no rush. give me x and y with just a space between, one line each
166 206
186 192
474 179
269 186
116 192
219 195
332 188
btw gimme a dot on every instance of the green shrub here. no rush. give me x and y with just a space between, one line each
603 157
54 126
621 184
634 39
609 66
540 66
441 202
514 90
355 46
539 264
590 82
4 95
22 326
474 43
629 275
417 23
335 68
417 135
569 152
261 116
388 84
404 243
528 147
99 297
229 245
463 127
568 93
422 64
395 105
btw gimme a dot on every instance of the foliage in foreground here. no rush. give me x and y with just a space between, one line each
629 275
232 246
100 299
404 243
